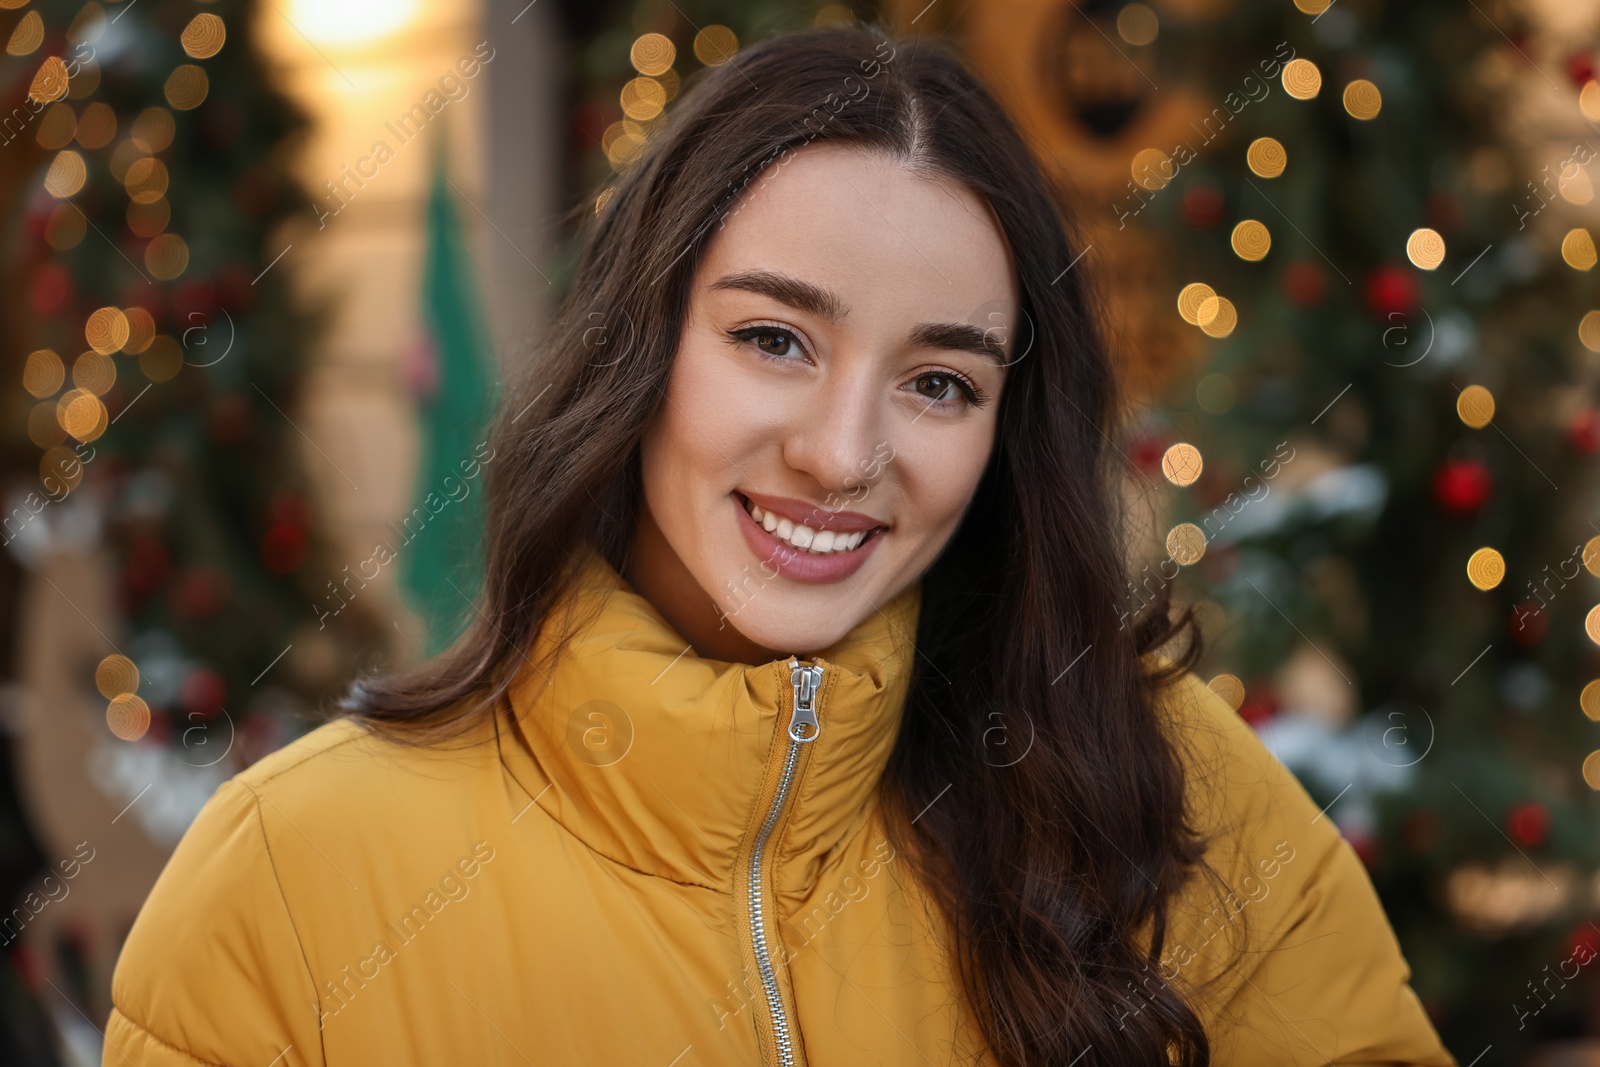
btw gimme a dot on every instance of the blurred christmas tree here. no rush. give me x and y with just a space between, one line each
1388 509
152 364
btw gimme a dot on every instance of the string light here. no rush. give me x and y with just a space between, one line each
1251 240
1266 157
1475 406
715 45
1589 700
1577 249
204 36
653 54
1190 300
116 675
1186 543
1182 464
43 373
1301 79
1486 568
1362 100
1425 248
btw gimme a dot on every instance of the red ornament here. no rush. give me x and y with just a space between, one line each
203 693
1202 205
31 966
148 564
234 288
259 735
1365 845
149 295
160 732
37 221
1147 451
1260 703
1580 68
1462 486
1391 290
283 549
1583 432
194 305
1583 937
49 289
1528 824
200 593
1528 622
290 507
1303 283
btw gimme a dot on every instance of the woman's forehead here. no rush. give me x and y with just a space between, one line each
882 239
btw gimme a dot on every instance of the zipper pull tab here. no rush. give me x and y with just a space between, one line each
803 724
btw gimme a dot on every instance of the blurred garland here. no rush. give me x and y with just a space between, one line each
153 382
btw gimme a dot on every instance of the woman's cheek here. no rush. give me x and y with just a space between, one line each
727 403
938 468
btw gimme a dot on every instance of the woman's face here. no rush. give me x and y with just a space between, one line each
831 407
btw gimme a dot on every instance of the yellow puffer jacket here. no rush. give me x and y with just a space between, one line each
643 868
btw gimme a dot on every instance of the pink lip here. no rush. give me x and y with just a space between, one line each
813 515
791 562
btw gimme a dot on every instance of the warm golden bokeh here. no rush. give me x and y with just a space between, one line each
1182 464
1486 568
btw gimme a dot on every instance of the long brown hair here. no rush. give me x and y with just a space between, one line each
1055 869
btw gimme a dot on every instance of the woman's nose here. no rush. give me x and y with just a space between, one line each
835 433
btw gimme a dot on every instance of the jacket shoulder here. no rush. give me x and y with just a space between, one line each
314 744
344 766
213 970
217 967
1280 942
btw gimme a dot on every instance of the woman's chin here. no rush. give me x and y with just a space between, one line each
771 626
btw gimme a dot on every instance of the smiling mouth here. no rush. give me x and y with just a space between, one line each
805 538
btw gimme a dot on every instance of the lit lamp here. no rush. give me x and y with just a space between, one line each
350 22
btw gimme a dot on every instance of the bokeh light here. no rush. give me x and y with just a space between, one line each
1486 568
1475 406
1182 464
1266 157
1362 100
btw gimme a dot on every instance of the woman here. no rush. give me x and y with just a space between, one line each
802 720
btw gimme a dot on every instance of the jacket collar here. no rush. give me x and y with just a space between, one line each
657 758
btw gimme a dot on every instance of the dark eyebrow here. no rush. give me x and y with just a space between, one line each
960 337
803 296
785 290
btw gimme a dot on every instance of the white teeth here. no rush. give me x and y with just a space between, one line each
820 542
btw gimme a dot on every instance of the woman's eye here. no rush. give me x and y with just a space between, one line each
940 387
771 340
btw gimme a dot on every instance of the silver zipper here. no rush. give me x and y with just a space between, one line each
803 728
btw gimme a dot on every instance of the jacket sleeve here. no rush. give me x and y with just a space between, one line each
1287 954
212 971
